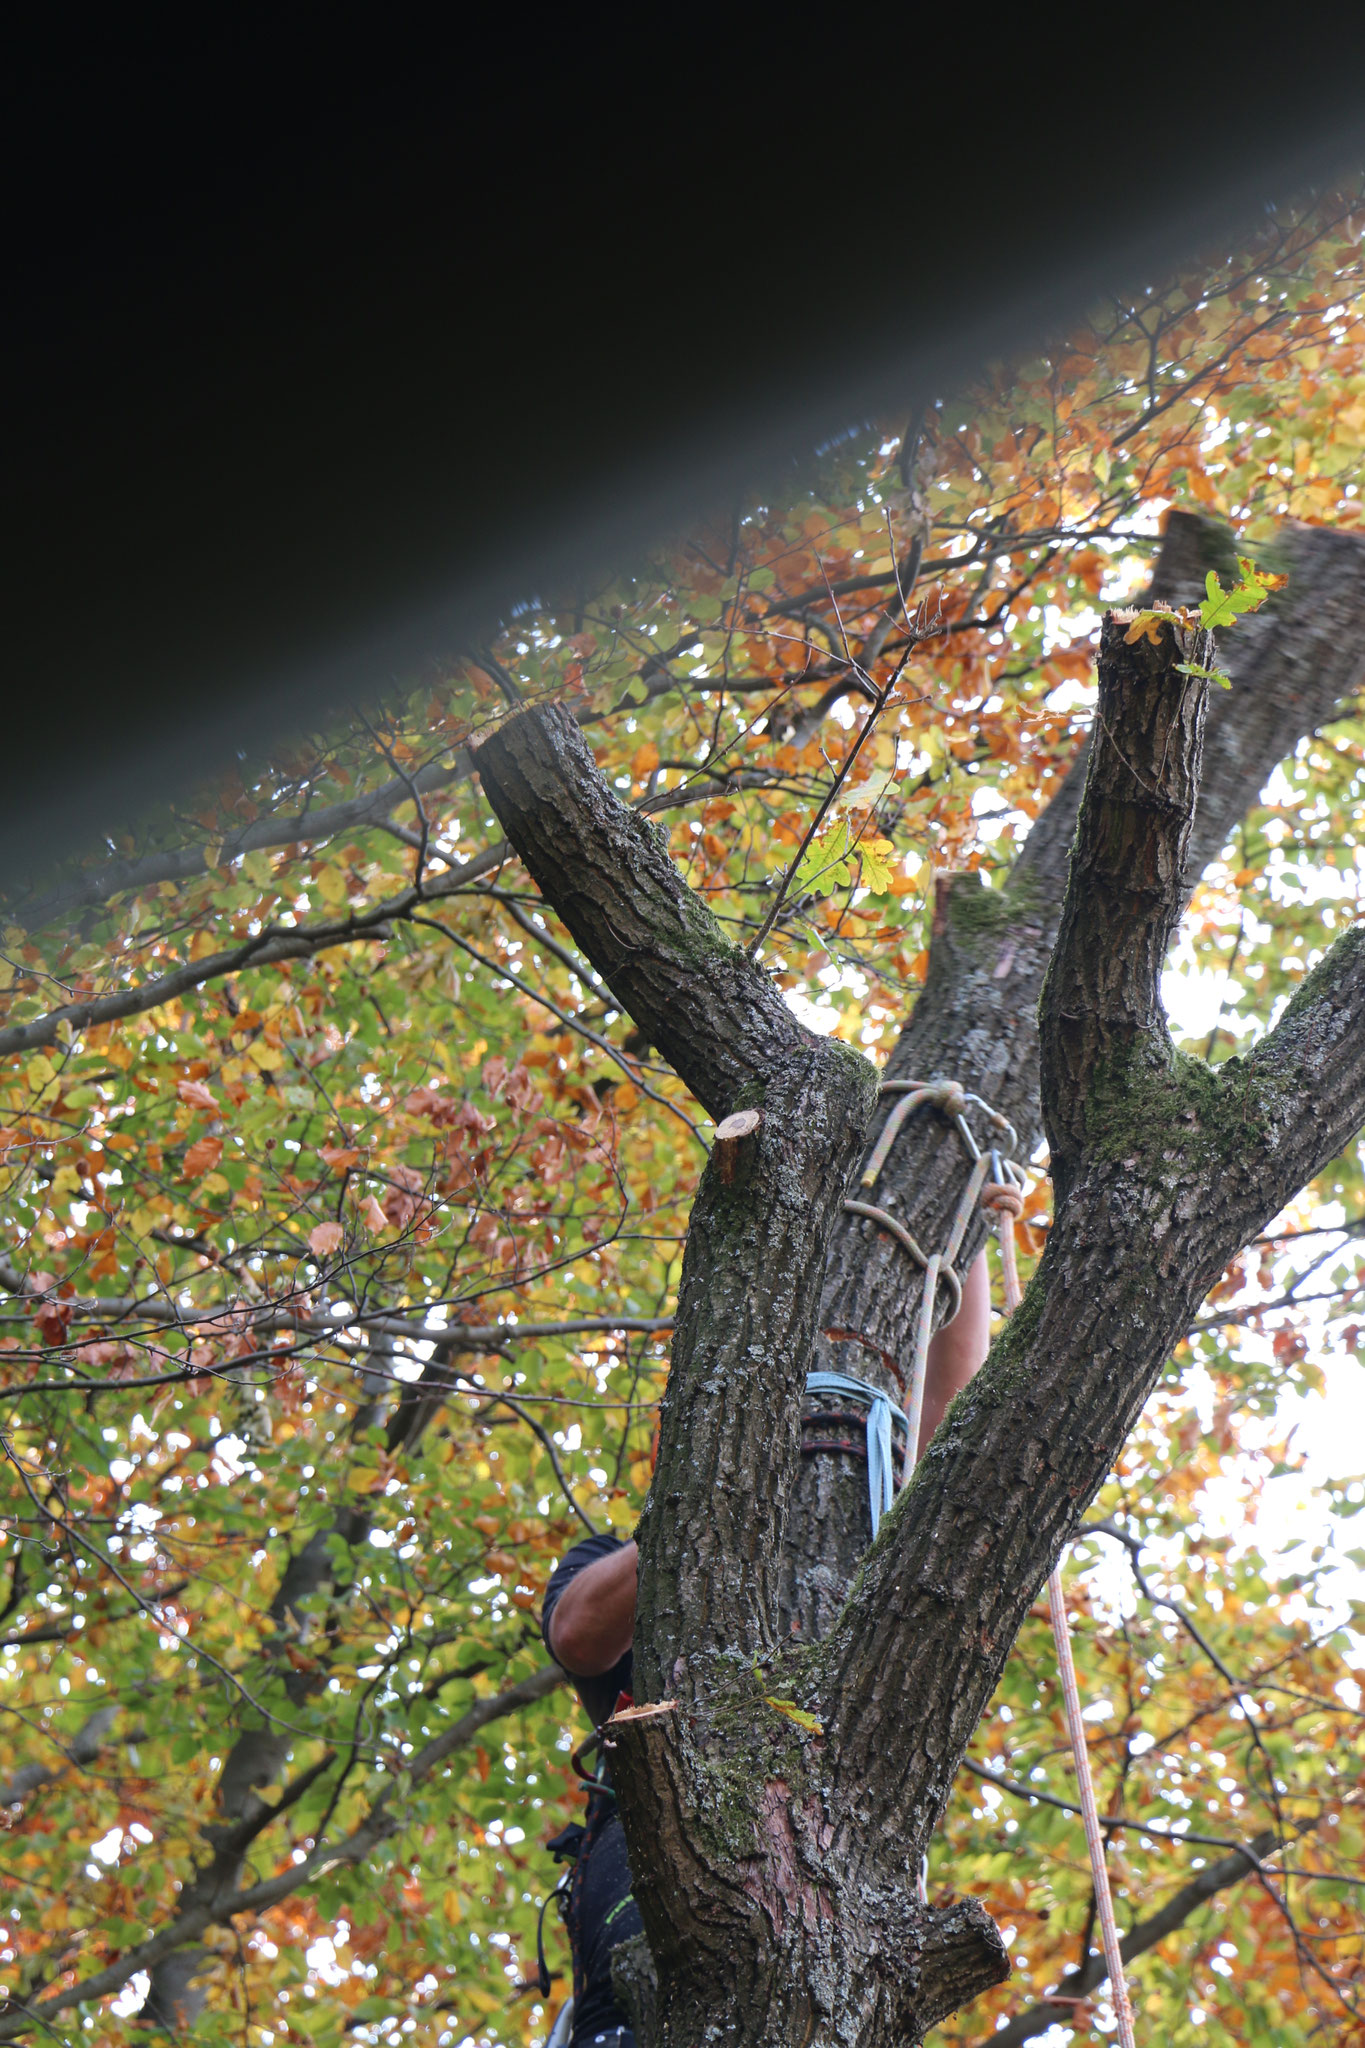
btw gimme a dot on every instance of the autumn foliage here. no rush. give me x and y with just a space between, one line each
337 1201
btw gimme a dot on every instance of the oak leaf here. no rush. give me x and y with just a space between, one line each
338 1157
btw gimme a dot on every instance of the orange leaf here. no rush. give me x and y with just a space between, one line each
325 1238
202 1157
196 1095
338 1157
371 1215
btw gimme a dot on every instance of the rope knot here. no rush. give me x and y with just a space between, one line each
1005 1200
951 1098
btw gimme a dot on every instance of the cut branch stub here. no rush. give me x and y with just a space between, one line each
730 1136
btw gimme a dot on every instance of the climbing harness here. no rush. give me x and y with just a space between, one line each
882 1422
1003 1196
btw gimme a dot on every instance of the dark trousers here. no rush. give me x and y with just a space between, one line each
599 1914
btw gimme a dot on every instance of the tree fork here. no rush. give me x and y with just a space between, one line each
976 1019
777 1814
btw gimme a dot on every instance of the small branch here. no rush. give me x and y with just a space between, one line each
1036 2019
184 864
869 723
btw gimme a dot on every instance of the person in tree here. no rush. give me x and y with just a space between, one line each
588 1622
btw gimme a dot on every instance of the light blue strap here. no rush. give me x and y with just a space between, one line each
881 1484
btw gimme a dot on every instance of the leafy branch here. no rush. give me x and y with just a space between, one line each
1219 608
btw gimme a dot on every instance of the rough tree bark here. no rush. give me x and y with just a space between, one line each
1292 665
777 1794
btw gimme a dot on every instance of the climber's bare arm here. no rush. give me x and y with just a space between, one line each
957 1352
594 1617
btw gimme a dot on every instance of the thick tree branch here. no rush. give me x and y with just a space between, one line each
1166 1169
975 1021
1229 1870
711 1535
1103 989
715 1017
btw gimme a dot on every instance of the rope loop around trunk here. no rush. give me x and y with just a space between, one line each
1002 1195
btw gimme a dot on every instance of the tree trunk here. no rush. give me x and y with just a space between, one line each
777 1792
1292 665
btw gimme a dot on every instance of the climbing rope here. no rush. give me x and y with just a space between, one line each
952 1102
1003 1196
1006 1203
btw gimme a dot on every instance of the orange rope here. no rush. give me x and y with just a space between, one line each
1008 1204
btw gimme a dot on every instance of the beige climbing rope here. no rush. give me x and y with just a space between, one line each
952 1102
1008 1206
1002 1195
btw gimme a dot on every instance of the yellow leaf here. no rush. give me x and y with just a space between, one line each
331 886
39 1071
795 1713
1146 626
266 1057
452 1909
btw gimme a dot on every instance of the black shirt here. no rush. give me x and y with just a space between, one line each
600 1694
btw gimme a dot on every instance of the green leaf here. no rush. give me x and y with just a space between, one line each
1223 607
1205 675
876 856
824 865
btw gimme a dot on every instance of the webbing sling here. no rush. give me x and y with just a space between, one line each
882 1418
